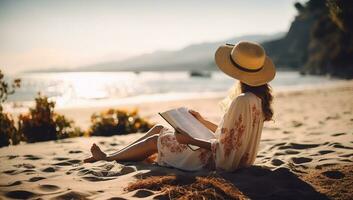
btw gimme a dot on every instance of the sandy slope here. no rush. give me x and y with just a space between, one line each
307 153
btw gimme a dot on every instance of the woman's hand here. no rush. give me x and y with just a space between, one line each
182 137
196 114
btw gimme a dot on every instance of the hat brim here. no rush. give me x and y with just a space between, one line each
265 75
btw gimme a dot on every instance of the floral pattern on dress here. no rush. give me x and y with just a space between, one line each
244 159
231 139
255 114
235 145
204 156
170 142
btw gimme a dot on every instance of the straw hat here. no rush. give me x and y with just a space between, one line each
247 62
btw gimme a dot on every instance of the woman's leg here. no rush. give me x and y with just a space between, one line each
135 152
155 130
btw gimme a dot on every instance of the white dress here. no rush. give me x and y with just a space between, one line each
236 144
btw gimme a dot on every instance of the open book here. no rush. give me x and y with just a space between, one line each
182 119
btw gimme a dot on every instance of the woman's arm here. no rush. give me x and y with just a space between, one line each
184 138
210 125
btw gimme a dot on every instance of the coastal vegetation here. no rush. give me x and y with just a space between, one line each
8 131
118 122
42 123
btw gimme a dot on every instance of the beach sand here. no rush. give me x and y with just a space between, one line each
305 153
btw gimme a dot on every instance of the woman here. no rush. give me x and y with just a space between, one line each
237 135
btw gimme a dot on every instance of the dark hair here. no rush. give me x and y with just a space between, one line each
264 92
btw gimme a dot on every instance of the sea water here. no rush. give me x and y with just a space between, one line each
98 88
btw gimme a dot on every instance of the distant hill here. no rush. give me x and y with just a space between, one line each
193 57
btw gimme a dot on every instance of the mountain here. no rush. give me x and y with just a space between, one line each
192 57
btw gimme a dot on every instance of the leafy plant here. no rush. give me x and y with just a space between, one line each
6 89
66 128
118 122
7 125
43 124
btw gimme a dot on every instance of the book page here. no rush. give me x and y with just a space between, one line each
182 119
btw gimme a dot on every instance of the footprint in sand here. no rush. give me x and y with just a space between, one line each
286 152
338 134
301 160
324 159
20 194
277 145
73 152
291 152
12 171
60 158
48 188
142 193
27 166
68 163
31 157
49 169
333 174
29 171
277 162
323 152
346 155
96 179
345 160
298 146
340 146
117 198
12 184
332 117
10 157
297 124
72 195
35 179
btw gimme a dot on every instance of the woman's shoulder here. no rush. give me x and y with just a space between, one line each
243 99
240 100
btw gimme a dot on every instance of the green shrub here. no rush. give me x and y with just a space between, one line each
66 128
8 130
43 124
118 122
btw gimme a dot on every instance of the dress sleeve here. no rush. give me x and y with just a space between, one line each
228 149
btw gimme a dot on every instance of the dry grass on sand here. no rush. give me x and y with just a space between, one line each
188 187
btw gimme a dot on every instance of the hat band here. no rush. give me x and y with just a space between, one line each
243 68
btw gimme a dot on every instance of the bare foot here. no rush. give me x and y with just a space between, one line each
97 153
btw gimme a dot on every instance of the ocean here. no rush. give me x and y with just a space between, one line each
100 88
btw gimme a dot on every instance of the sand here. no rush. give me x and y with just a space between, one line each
305 153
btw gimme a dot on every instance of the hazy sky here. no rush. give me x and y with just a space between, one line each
70 33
